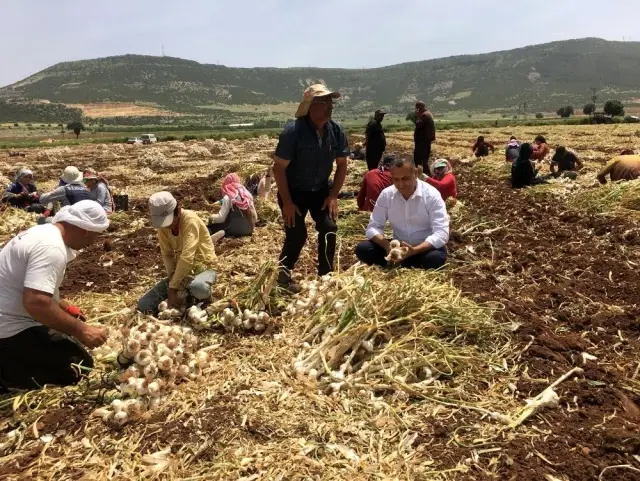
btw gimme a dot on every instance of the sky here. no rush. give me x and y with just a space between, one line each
290 33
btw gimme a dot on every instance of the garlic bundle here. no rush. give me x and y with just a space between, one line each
197 316
162 356
166 313
396 253
248 320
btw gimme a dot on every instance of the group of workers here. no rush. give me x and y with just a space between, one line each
44 340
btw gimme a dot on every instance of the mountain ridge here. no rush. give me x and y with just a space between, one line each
543 76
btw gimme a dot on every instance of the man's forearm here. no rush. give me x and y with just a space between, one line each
283 187
338 180
381 241
423 247
52 316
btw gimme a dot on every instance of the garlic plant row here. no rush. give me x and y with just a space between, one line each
161 356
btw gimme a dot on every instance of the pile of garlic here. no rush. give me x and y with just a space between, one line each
162 355
255 321
318 294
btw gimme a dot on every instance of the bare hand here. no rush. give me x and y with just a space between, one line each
331 203
410 251
289 212
173 300
92 336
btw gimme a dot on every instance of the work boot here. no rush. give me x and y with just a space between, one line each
285 282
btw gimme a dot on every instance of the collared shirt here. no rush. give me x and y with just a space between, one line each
423 217
311 156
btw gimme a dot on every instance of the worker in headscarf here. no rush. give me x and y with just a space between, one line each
444 180
185 244
42 337
512 149
237 216
565 163
22 193
98 189
523 172
622 167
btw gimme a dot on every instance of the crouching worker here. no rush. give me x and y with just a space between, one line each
565 163
41 337
622 167
185 244
418 216
237 216
98 190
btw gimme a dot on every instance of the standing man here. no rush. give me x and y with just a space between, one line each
374 140
304 160
41 336
424 134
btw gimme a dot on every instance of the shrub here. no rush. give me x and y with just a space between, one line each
189 137
589 108
614 108
565 112
539 116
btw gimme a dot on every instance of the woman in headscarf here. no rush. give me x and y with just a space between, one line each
98 189
444 180
22 193
522 171
237 216
512 149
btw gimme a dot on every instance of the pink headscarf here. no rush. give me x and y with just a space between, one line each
239 195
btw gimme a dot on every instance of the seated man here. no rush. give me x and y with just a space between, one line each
444 180
622 167
418 217
99 190
374 182
73 189
565 163
41 337
512 149
184 244
540 148
481 147
523 173
23 193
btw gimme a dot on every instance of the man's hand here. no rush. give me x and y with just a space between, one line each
289 211
331 203
173 300
411 251
92 336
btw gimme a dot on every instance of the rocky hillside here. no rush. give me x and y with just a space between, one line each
544 76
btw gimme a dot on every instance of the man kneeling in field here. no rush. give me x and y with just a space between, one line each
41 337
418 216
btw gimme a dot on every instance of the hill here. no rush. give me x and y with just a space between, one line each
544 76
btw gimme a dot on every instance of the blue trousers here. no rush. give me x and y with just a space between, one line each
199 288
372 254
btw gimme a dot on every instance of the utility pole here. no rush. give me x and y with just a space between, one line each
163 49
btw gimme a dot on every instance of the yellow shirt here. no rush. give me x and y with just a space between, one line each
623 167
181 253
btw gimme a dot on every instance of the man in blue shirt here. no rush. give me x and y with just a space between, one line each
304 161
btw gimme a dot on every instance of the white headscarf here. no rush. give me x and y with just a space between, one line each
86 214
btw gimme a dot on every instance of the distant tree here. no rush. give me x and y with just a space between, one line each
565 112
589 109
539 115
77 127
515 117
614 108
469 115
504 116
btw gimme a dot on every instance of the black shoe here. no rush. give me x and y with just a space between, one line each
285 282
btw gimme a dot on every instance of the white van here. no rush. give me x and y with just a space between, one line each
148 138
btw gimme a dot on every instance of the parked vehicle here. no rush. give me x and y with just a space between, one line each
134 140
148 138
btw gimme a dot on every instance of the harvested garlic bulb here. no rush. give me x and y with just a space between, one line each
165 363
163 306
394 244
144 357
121 417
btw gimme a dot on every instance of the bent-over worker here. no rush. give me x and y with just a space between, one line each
374 182
237 216
481 147
71 192
418 216
565 163
41 337
305 155
622 167
185 244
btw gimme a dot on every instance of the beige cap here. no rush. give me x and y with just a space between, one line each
161 207
71 175
317 90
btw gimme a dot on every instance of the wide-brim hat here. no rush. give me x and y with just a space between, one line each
71 175
317 90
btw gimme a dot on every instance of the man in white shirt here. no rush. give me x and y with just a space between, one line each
418 216
41 337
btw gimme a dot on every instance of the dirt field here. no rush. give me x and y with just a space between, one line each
120 110
555 268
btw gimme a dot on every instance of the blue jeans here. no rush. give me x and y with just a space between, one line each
199 288
372 254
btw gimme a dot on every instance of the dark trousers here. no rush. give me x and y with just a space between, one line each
38 356
421 154
373 158
296 236
372 254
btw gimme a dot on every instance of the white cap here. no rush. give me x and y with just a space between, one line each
71 175
161 207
